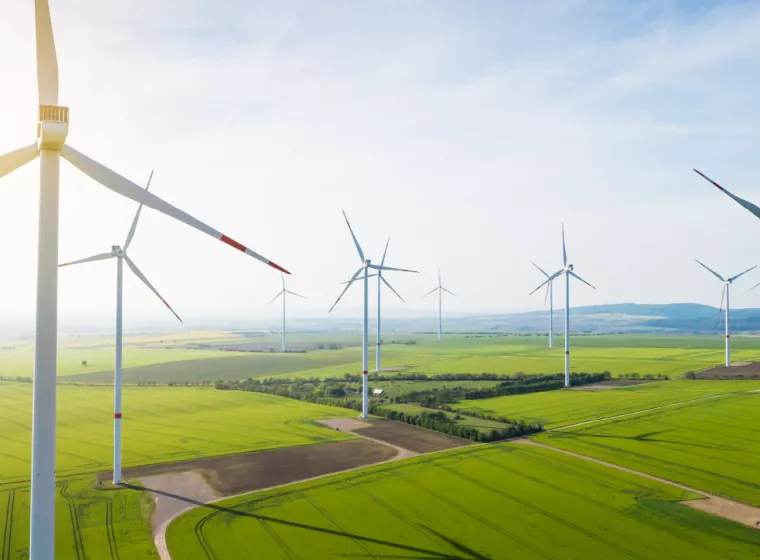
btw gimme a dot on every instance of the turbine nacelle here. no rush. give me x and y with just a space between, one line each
117 251
52 127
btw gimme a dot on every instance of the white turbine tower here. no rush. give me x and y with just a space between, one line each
568 271
364 274
283 293
52 130
440 289
120 254
550 296
725 296
380 281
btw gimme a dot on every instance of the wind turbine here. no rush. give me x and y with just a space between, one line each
365 269
725 295
380 281
120 254
282 293
550 295
568 271
440 289
52 130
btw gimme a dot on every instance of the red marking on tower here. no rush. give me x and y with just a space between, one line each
117 415
567 352
364 372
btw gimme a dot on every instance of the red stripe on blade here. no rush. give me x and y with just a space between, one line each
277 266
233 243
117 415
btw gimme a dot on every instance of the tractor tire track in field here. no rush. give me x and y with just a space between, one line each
110 531
8 534
78 544
602 505
738 512
340 527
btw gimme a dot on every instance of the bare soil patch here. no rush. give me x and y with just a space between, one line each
738 370
247 472
418 440
345 424
742 513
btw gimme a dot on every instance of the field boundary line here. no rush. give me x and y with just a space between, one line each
585 422
741 510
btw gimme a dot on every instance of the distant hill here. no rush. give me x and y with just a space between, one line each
621 317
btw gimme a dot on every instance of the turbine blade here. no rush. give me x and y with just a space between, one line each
439 276
434 290
748 205
356 241
47 61
742 274
361 278
100 257
125 187
448 291
377 267
295 294
142 277
718 276
15 159
540 269
382 262
753 287
574 275
391 287
722 298
132 229
355 276
546 297
545 282
275 298
564 251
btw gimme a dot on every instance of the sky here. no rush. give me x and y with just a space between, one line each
468 132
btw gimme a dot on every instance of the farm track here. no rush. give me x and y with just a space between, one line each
77 534
110 532
8 534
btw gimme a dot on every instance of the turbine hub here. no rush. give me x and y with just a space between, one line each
52 127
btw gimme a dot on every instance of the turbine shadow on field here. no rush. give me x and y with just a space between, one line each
430 554
646 437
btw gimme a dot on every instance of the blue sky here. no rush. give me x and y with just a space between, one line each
468 131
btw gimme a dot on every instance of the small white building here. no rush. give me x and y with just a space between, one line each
377 392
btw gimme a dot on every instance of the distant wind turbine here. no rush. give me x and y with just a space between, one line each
440 289
568 271
550 295
50 146
283 293
120 254
365 269
725 296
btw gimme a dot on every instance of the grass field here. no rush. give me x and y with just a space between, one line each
160 424
565 407
500 501
712 445
157 358
90 523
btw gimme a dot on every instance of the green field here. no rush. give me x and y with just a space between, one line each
160 424
498 501
712 445
565 407
90 523
186 356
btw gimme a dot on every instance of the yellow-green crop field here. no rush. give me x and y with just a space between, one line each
571 406
496 501
712 445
